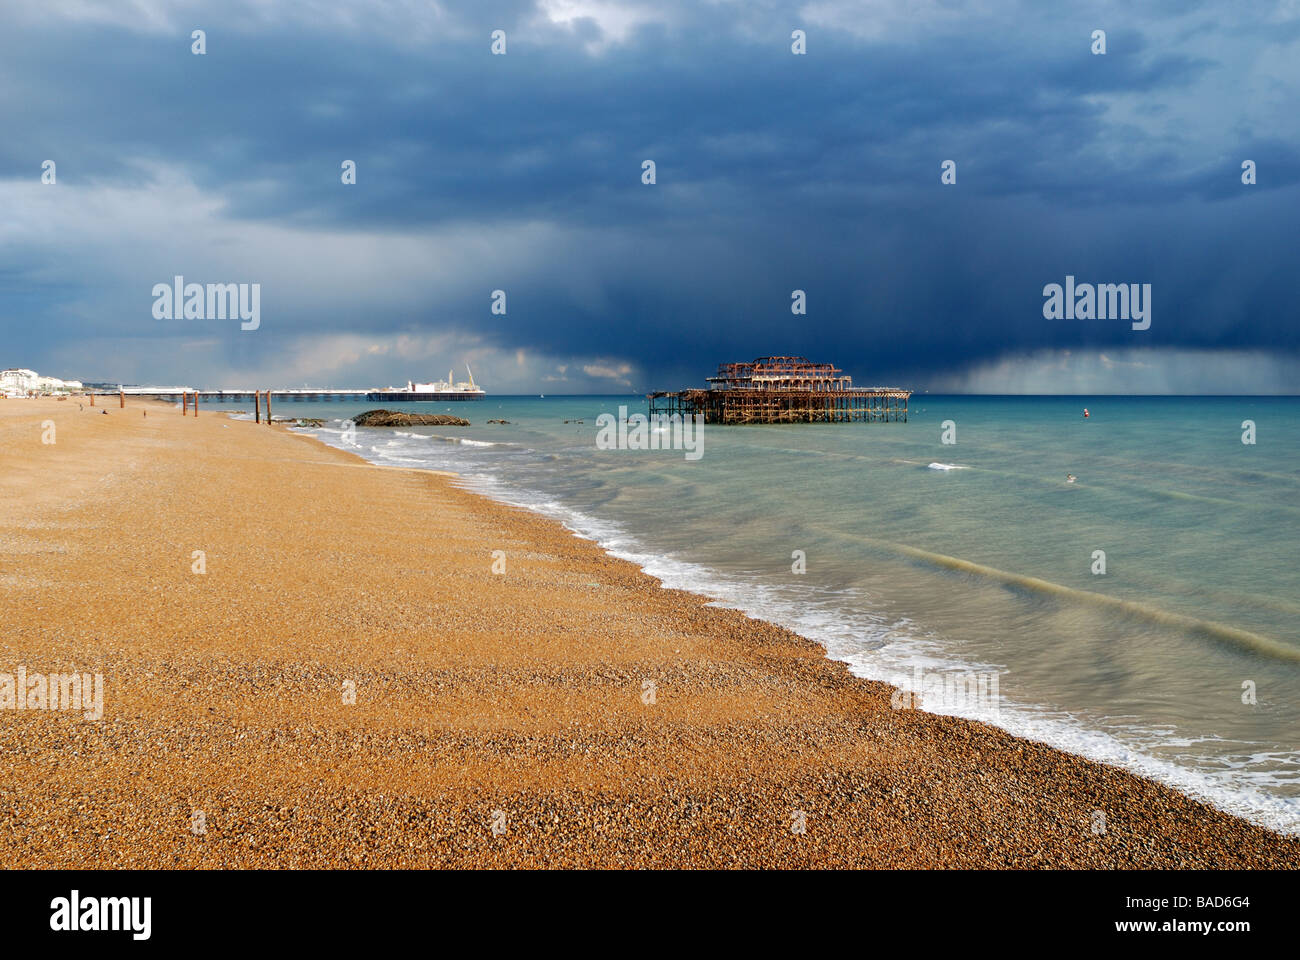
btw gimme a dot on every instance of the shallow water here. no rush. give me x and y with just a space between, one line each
976 556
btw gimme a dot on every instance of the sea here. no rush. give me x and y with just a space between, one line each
1143 614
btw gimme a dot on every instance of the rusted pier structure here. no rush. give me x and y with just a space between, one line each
784 390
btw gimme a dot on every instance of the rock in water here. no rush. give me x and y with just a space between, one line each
392 418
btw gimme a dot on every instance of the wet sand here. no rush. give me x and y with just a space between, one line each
566 712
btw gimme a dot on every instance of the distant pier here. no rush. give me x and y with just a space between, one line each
318 394
307 393
784 390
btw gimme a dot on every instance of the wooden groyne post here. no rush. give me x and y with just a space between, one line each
268 408
257 406
121 398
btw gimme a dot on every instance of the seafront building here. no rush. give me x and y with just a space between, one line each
21 382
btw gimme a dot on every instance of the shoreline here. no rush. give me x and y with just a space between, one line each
1020 720
1097 746
521 693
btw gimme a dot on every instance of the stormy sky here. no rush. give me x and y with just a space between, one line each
774 172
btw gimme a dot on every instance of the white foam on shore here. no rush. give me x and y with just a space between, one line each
402 434
876 648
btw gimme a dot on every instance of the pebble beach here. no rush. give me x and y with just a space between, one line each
312 662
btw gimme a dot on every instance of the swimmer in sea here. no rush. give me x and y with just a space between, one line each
1085 413
1070 478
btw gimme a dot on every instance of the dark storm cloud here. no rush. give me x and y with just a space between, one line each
775 172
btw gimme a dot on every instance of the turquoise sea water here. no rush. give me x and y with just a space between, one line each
973 556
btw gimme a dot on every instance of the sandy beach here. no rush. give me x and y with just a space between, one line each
348 683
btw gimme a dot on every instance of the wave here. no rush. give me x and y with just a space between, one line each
1243 639
430 436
